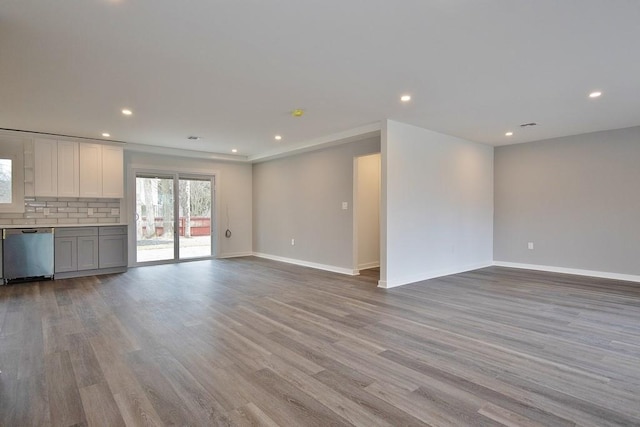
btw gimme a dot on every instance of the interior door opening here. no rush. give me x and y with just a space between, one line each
366 219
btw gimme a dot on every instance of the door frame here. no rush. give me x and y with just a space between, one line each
176 174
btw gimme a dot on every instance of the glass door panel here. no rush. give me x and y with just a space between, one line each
155 220
194 217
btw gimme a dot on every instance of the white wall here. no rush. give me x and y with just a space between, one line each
233 185
437 204
367 206
300 197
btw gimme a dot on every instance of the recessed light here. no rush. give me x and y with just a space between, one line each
106 135
278 137
234 151
405 98
595 94
127 112
508 134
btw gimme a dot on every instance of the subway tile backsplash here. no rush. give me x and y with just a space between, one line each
65 210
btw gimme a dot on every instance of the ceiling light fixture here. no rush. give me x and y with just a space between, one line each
106 135
508 134
234 151
405 98
193 138
277 137
595 94
127 112
298 112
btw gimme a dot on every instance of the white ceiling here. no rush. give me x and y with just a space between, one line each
231 71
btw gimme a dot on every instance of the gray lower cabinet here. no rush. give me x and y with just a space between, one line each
76 249
65 254
93 250
113 247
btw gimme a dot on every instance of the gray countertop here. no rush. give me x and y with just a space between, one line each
61 225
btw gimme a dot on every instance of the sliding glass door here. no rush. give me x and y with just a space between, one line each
174 218
195 218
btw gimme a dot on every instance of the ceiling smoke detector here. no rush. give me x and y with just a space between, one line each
524 125
194 138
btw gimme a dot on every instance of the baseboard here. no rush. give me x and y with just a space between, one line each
367 265
575 271
432 275
234 255
303 263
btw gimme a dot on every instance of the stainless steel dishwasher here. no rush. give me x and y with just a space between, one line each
27 253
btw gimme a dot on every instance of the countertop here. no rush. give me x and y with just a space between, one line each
61 225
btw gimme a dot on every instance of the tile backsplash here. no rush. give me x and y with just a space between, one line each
64 211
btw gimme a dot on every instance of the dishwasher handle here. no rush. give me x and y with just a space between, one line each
29 231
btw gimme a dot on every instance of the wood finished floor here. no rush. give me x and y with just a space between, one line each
255 342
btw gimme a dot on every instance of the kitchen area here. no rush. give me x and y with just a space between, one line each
67 221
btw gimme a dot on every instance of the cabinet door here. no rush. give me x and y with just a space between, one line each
113 251
68 169
112 172
90 170
45 167
87 253
66 254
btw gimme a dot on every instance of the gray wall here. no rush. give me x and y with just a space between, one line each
576 198
300 197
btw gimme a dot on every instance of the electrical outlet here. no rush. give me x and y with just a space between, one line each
530 245
345 205
115 211
46 211
90 211
293 242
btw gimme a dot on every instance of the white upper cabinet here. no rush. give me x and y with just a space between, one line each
45 167
90 170
72 169
68 169
112 172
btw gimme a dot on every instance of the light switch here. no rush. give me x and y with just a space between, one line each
90 211
345 205
46 211
115 211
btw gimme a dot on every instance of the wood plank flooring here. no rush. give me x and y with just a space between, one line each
254 342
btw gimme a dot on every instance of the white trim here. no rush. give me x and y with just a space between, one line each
325 267
366 265
431 275
356 134
234 255
576 271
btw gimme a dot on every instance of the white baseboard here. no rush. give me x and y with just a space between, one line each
367 265
234 255
431 275
576 271
303 263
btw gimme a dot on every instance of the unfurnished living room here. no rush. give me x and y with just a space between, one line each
304 213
